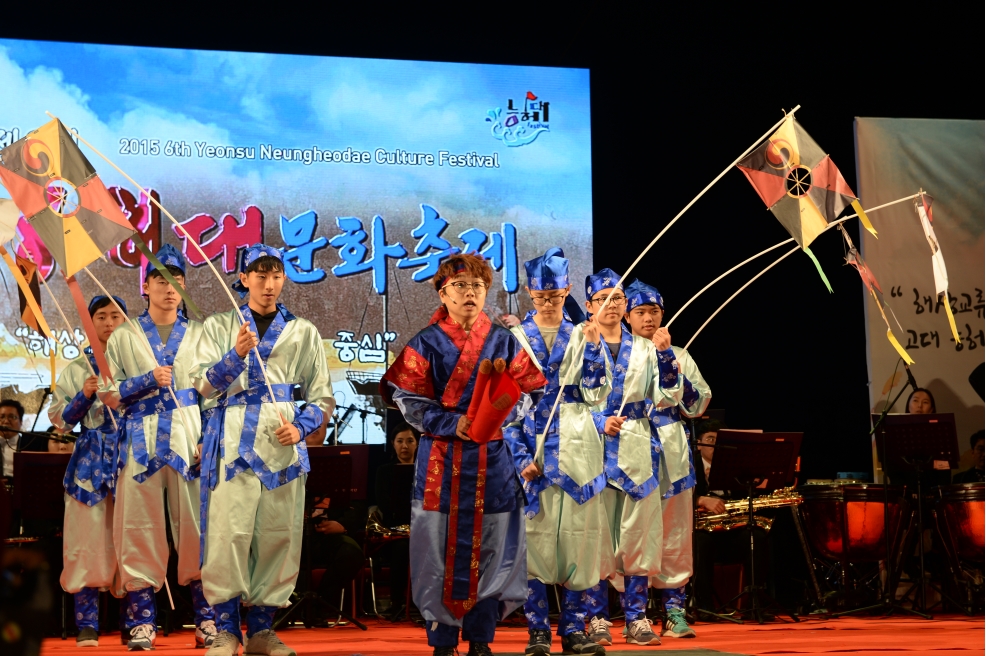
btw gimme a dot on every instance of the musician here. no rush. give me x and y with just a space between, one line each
725 547
921 402
403 447
11 441
976 473
89 561
453 528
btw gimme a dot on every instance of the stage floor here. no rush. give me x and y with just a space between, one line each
860 636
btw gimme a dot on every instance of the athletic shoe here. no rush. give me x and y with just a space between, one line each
87 638
599 630
142 638
205 634
539 644
578 642
445 651
479 649
640 633
266 643
224 644
675 626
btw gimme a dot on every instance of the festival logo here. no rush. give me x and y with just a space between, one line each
521 123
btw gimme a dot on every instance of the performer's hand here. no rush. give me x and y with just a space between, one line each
530 472
662 339
591 330
330 527
246 339
713 505
613 425
462 428
509 320
162 375
90 386
287 435
198 452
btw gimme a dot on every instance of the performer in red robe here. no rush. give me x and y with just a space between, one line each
468 550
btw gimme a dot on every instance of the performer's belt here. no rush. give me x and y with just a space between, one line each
284 392
635 410
442 438
665 416
161 403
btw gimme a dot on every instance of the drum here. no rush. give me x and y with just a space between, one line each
960 513
845 523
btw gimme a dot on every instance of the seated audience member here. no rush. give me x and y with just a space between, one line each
976 473
724 547
402 448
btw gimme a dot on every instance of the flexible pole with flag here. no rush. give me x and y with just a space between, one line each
787 241
695 200
33 304
147 193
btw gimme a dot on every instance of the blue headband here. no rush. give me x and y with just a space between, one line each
549 271
251 255
458 267
97 299
603 279
639 293
169 257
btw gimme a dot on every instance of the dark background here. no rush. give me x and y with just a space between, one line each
676 95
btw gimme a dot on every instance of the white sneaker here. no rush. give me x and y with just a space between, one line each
640 633
599 631
142 638
224 644
205 634
266 643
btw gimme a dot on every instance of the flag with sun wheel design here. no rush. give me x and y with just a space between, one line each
800 184
62 197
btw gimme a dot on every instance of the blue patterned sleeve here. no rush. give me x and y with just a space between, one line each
77 408
667 364
222 374
308 420
515 438
599 419
134 388
425 414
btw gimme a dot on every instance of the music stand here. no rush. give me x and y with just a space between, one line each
44 498
917 444
330 476
401 491
754 461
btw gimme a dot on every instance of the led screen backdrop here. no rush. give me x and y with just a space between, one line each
367 173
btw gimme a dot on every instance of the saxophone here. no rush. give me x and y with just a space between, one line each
738 512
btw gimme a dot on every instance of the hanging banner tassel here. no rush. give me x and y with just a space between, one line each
818 266
83 309
35 308
951 319
897 347
141 245
865 220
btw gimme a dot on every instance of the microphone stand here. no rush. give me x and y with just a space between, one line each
44 397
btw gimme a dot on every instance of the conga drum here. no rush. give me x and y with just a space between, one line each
846 524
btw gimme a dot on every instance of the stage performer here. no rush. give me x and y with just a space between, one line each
88 558
468 554
632 497
566 523
254 465
157 448
674 466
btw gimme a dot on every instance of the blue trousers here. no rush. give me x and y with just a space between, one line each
633 600
573 609
478 625
141 607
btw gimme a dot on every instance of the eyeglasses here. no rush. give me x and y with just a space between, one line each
550 300
461 288
615 300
